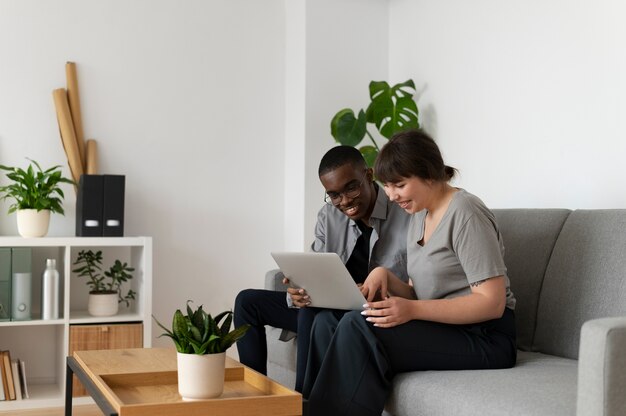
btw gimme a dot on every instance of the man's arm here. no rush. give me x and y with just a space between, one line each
319 243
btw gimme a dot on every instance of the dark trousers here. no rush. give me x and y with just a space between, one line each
352 363
258 308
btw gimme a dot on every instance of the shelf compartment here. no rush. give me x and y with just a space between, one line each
103 337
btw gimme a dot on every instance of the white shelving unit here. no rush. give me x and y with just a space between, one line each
43 345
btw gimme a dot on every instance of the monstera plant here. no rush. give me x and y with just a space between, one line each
391 109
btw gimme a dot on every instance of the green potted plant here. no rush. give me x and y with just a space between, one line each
201 342
391 109
105 292
36 193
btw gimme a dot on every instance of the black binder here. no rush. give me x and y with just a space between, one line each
89 206
113 208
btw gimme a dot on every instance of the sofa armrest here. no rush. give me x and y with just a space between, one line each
602 368
274 280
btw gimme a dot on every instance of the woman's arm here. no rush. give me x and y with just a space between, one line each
383 282
487 301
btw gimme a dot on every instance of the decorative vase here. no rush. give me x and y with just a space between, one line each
200 376
102 303
33 223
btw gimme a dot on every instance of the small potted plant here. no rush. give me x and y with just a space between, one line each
105 293
36 194
201 343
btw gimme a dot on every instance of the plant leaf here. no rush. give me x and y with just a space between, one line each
221 316
233 336
227 323
347 129
195 333
167 331
369 154
189 311
179 325
392 109
197 318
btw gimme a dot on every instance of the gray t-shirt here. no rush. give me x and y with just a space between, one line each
466 247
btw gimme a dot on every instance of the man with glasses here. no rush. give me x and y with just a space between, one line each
360 224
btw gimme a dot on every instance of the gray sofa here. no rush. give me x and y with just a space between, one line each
568 273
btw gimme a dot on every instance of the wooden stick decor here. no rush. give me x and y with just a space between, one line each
74 101
82 157
68 136
91 163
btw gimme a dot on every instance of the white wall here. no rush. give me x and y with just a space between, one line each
346 48
295 116
334 49
525 98
187 100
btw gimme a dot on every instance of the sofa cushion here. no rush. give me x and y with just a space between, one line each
529 236
585 279
539 385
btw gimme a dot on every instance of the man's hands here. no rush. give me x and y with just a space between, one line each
298 296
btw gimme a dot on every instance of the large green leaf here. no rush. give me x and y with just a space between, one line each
221 316
195 334
197 317
392 108
167 331
233 336
225 328
179 325
369 154
347 129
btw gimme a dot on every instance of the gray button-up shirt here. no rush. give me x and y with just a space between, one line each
336 233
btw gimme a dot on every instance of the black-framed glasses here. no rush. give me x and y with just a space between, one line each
351 191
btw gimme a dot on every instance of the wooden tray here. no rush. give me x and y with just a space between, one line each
246 392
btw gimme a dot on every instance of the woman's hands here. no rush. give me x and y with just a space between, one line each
298 296
375 284
389 312
383 310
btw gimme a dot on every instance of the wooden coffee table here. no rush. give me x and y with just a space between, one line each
143 382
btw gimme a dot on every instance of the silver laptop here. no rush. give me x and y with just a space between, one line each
323 276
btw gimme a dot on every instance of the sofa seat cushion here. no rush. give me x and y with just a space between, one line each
539 385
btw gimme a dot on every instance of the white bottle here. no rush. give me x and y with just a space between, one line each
50 291
21 297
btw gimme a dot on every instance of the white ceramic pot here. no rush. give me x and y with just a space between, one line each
33 223
103 304
200 376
